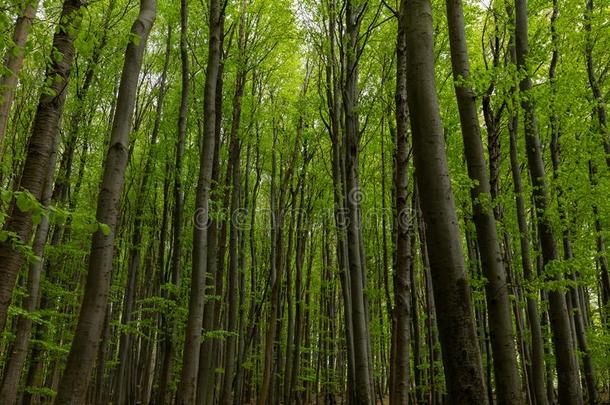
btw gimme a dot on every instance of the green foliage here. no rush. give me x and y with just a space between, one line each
285 42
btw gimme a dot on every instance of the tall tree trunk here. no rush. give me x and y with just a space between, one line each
75 380
335 112
120 394
19 350
400 382
274 280
602 127
600 242
243 316
286 366
211 315
533 317
298 311
461 355
174 278
45 129
600 102
567 369
555 124
192 344
364 389
431 318
508 386
13 62
232 282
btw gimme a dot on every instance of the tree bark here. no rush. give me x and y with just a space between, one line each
600 102
401 314
45 129
13 62
192 345
177 220
602 123
232 282
508 386
133 266
364 390
214 277
567 370
533 317
19 350
75 380
461 355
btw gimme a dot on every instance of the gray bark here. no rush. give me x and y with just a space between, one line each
567 369
192 346
461 355
399 383
13 63
45 129
79 366
506 372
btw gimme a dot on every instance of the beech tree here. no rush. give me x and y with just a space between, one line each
45 128
73 386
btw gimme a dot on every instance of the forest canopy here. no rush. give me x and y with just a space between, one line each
304 202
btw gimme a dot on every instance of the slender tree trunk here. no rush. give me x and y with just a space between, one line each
600 102
600 242
211 316
192 345
243 315
399 385
169 350
298 311
602 122
133 265
415 317
232 284
19 350
333 93
431 318
274 275
364 390
461 355
74 383
506 372
288 295
45 129
13 62
577 319
533 317
567 370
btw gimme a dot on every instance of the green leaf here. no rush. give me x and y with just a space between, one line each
24 202
105 229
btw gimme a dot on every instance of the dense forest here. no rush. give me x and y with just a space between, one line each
304 202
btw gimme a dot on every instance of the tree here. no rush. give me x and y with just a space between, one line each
14 62
187 392
497 293
567 370
18 228
402 224
461 356
73 386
